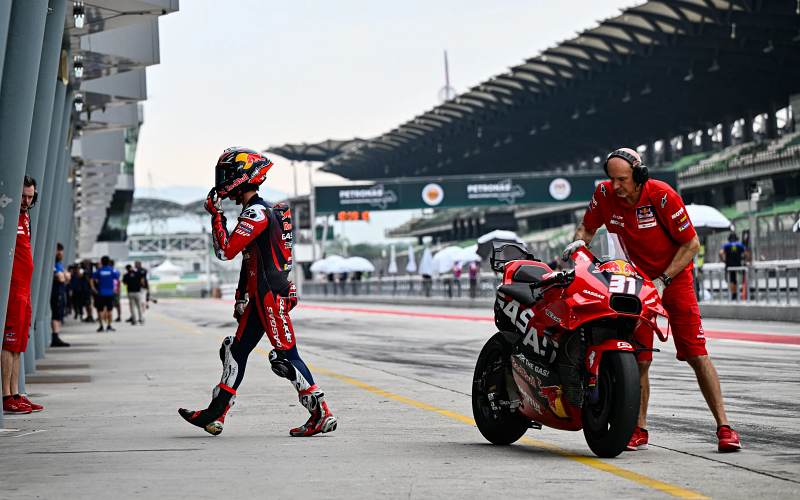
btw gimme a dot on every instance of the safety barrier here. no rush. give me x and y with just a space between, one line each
774 282
408 286
769 283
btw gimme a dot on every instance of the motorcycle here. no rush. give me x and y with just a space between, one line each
564 355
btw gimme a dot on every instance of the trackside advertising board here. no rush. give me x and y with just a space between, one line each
449 192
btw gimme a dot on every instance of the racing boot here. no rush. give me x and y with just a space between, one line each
212 419
321 419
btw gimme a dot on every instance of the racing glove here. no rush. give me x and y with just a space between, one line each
571 248
213 204
291 297
238 308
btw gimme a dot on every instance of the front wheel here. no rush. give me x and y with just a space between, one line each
499 424
609 424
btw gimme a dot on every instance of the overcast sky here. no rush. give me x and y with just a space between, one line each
258 73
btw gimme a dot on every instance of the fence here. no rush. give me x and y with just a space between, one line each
772 283
484 286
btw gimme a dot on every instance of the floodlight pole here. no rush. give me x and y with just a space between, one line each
294 175
313 212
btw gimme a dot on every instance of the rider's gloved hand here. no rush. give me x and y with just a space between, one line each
291 297
659 284
571 248
238 308
213 204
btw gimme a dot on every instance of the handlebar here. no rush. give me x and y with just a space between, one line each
559 279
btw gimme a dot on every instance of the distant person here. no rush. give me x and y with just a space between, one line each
103 282
457 277
331 282
74 291
87 290
427 284
473 269
733 254
133 281
137 265
117 295
58 298
18 309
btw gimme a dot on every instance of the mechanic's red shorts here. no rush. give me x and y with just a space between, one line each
18 322
686 328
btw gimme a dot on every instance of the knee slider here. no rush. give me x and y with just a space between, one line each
281 366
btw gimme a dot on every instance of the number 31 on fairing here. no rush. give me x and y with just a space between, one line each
619 284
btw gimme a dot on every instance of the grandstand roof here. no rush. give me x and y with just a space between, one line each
321 151
659 69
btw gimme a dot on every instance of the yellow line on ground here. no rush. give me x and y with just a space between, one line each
596 463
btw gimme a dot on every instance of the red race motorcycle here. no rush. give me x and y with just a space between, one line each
564 354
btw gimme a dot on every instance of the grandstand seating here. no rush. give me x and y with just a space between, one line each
746 154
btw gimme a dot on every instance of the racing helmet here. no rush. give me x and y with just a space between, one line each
238 170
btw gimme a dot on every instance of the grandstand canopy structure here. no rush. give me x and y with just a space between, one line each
615 84
320 151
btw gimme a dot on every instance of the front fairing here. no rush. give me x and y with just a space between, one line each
601 289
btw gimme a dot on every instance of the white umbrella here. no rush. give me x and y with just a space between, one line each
411 267
445 259
485 242
324 265
392 261
426 262
499 234
357 264
468 254
706 217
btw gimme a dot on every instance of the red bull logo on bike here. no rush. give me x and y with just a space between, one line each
617 266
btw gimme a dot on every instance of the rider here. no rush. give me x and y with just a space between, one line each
264 296
651 220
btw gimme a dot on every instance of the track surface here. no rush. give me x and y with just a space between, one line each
399 379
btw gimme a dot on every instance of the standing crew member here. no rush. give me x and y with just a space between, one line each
651 220
104 283
264 296
733 254
18 311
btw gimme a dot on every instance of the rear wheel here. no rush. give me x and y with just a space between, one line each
609 423
498 424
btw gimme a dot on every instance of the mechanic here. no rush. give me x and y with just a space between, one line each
264 296
652 222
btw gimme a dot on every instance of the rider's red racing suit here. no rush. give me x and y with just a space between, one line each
264 298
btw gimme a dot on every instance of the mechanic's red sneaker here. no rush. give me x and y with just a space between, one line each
12 406
638 440
321 419
728 439
34 407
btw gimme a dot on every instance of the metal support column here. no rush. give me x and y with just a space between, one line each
5 17
23 52
43 117
60 160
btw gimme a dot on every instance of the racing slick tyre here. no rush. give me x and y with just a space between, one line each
498 424
609 423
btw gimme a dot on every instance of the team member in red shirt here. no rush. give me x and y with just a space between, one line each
651 220
18 312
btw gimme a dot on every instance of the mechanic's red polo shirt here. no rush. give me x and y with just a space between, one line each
652 231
